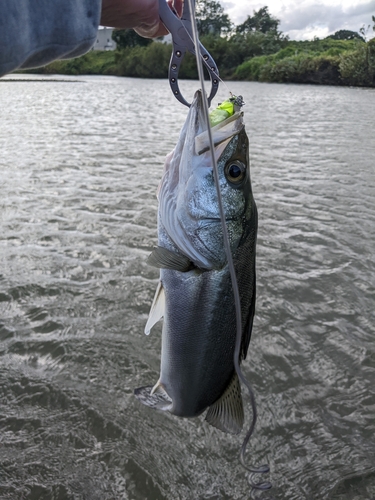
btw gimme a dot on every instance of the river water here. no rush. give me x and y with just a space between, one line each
79 166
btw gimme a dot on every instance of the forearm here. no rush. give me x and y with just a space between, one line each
142 15
35 32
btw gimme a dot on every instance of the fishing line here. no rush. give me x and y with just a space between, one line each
201 56
264 468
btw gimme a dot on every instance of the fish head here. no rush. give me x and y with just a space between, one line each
189 215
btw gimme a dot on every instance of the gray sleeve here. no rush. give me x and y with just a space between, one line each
35 32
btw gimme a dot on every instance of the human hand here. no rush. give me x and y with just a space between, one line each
141 15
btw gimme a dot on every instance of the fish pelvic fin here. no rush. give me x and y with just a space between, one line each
227 412
157 308
155 397
166 259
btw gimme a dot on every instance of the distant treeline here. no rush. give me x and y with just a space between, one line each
328 61
254 50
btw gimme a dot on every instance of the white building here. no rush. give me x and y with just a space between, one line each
104 40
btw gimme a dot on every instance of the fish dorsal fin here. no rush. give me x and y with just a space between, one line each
157 308
226 413
166 259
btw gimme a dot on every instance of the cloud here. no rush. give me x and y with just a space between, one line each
334 17
304 19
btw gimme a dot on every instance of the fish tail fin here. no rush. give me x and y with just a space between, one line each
155 397
227 412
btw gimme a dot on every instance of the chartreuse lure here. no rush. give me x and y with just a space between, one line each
225 110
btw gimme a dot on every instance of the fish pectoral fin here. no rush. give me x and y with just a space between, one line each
157 308
155 397
166 259
227 413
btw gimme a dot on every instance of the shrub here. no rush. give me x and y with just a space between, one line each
144 62
250 70
358 67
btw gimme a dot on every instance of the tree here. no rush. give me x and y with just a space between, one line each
346 35
261 21
365 30
129 38
259 35
358 67
211 19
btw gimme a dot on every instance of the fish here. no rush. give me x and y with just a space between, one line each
194 296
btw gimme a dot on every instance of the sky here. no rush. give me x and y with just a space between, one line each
306 19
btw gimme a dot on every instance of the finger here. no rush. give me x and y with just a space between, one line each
178 6
154 31
158 29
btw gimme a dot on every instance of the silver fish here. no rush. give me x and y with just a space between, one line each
195 295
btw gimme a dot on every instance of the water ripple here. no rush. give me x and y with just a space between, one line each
80 164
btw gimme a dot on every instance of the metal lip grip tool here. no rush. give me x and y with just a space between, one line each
182 41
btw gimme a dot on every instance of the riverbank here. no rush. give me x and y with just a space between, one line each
343 62
327 62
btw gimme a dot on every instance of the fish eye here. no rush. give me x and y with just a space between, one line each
235 172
